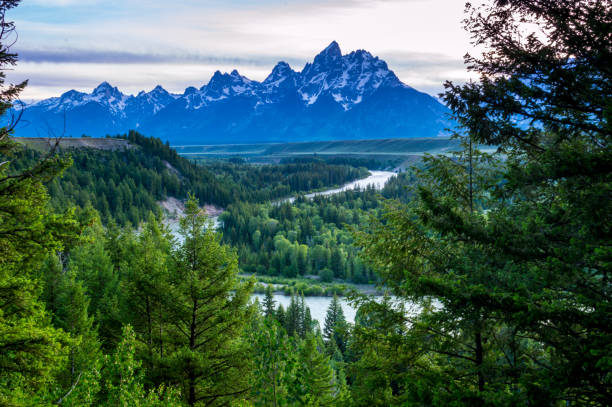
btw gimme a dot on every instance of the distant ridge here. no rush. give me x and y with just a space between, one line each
395 147
335 97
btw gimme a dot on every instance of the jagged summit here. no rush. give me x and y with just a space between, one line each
330 54
103 87
281 71
332 50
335 96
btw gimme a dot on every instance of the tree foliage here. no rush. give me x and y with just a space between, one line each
516 255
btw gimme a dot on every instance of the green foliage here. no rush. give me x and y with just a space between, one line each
123 380
261 183
306 237
335 330
125 185
297 319
91 264
209 312
274 364
499 264
31 349
147 293
515 255
316 384
78 379
268 303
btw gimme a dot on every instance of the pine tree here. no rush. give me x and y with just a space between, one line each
123 379
293 316
518 261
92 264
308 324
334 330
148 292
274 364
268 303
544 98
78 381
281 315
315 384
335 263
209 313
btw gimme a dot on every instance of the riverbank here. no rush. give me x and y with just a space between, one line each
310 287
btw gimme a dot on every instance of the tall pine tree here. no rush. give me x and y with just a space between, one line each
209 313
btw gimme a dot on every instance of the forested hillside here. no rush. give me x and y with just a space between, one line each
125 184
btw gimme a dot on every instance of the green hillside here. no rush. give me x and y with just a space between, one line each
125 177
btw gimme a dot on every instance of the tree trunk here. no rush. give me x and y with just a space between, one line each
192 342
479 361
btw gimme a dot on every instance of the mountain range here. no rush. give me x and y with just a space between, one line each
335 97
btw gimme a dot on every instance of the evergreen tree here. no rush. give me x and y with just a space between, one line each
298 320
309 323
335 263
91 264
51 274
281 315
545 100
209 313
383 363
124 380
148 292
78 380
268 303
274 364
293 316
335 327
31 349
315 384
518 262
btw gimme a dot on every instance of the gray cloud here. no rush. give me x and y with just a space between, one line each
405 61
122 57
419 61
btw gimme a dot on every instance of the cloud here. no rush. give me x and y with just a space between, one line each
138 44
84 56
63 3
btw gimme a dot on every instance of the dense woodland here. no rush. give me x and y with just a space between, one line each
309 236
497 266
124 185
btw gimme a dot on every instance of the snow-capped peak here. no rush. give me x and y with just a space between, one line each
159 89
281 75
106 89
287 105
346 79
331 52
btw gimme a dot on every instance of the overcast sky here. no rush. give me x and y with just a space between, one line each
138 44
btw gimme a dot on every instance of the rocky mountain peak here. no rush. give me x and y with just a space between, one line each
107 90
319 101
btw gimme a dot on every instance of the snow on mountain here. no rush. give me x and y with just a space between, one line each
312 101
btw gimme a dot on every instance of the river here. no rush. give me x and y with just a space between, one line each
378 179
318 306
